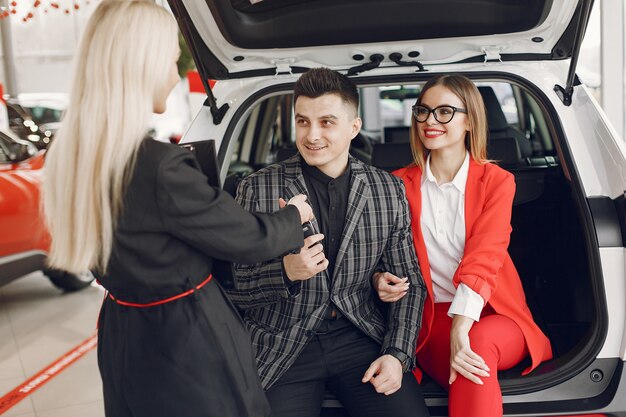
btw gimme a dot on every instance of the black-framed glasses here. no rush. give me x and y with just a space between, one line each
442 114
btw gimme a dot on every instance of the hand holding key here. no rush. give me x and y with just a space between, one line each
306 212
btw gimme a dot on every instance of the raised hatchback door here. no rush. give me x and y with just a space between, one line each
251 38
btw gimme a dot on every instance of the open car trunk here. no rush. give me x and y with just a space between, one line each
551 218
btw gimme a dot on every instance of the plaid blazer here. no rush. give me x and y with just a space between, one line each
376 236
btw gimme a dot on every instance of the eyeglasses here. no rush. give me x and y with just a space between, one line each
442 114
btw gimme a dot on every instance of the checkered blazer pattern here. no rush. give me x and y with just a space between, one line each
377 236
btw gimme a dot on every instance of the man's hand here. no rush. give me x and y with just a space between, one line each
463 360
309 262
389 287
385 374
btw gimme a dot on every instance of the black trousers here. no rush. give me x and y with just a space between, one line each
336 360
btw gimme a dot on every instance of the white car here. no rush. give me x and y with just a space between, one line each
569 215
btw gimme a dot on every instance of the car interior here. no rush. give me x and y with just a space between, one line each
547 243
12 151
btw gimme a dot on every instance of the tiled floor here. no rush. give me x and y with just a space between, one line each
39 324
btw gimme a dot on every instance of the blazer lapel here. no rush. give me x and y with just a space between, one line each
474 195
294 181
357 200
295 184
413 184
474 200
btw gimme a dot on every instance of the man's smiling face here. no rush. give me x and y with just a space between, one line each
325 126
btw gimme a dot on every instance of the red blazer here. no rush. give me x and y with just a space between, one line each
486 266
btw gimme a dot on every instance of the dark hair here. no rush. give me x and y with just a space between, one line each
319 81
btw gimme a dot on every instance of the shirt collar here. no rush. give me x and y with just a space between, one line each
460 179
316 174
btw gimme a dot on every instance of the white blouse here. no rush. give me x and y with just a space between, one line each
443 227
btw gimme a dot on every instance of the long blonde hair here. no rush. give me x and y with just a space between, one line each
123 61
466 91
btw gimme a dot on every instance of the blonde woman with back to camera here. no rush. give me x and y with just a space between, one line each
141 215
476 321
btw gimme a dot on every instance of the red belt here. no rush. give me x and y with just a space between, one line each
159 302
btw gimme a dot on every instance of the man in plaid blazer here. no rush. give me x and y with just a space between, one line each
313 316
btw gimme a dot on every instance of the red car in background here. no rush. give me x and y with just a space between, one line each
23 239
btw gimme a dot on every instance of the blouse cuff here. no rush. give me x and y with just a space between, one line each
466 302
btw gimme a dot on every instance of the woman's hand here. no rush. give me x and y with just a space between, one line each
389 287
462 359
306 212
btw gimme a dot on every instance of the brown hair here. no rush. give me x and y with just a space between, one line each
319 81
464 89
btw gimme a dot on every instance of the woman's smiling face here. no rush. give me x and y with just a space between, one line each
437 136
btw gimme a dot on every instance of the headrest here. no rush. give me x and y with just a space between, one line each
391 156
495 116
397 134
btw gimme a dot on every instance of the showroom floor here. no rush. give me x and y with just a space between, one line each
38 325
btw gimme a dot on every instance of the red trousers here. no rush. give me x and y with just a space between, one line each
497 339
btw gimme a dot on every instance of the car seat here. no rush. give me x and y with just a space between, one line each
506 144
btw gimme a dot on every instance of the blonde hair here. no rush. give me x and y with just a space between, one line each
122 64
466 91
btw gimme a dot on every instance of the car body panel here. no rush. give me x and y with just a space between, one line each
20 219
24 239
601 159
613 267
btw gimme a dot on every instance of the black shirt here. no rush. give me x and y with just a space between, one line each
329 198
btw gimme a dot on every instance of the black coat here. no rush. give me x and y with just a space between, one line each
192 356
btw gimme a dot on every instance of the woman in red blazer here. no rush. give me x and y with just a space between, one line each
475 319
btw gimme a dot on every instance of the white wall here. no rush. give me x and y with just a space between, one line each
44 45
44 49
613 63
